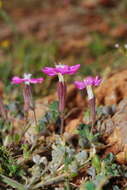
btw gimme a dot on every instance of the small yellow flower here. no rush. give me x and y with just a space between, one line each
1 4
5 43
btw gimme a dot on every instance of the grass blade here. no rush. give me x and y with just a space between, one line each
13 183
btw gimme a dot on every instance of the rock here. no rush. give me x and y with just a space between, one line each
90 4
114 131
119 31
113 89
72 125
107 3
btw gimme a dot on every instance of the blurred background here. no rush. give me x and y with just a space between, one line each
37 33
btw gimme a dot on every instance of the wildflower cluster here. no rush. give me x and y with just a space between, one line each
59 70
64 159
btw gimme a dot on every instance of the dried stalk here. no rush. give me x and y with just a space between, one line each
52 181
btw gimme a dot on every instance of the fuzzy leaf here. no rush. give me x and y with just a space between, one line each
115 187
89 186
13 183
54 106
96 163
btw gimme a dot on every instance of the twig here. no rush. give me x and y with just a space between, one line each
70 112
74 185
51 181
25 129
35 118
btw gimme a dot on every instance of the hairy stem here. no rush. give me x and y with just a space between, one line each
62 123
35 117
92 111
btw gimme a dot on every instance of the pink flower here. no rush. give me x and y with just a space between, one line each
61 69
26 79
89 81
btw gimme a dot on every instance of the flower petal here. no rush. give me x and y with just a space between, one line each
50 71
79 84
89 81
97 81
63 69
36 80
17 80
72 69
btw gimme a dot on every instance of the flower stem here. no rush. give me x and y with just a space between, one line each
35 117
91 100
62 123
92 111
26 117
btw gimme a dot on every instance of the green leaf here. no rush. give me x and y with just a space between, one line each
109 158
89 186
16 138
100 180
97 46
54 110
96 163
13 183
84 130
115 187
96 184
54 106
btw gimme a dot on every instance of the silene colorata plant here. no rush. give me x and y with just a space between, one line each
60 70
88 84
26 82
